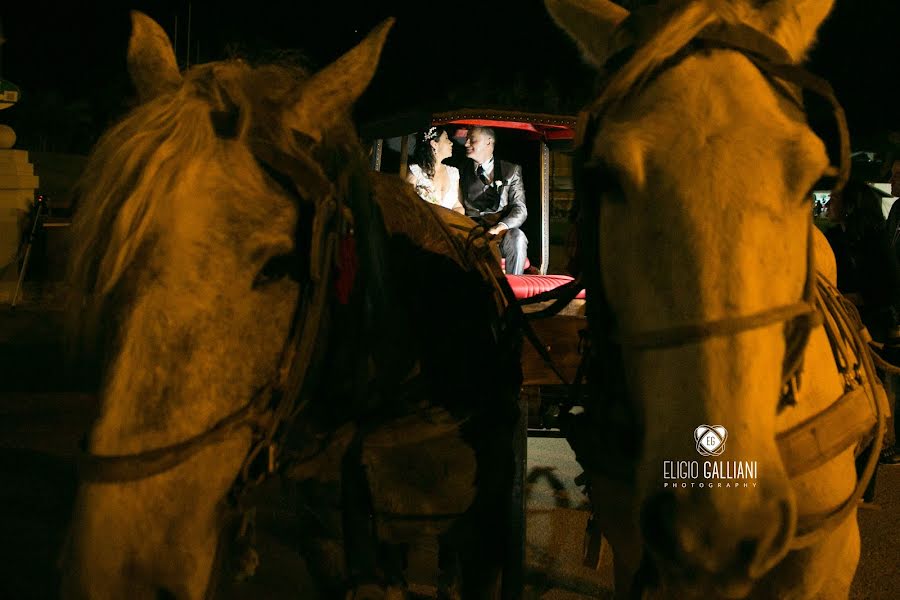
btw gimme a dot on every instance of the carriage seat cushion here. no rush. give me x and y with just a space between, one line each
526 286
503 263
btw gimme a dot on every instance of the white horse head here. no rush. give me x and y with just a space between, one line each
704 218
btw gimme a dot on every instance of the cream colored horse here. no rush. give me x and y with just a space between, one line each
704 217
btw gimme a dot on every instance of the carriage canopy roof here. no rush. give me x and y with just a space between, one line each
539 125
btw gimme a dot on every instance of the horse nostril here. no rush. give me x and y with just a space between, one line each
658 524
746 551
164 594
775 542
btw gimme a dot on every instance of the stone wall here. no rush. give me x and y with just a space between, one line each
17 185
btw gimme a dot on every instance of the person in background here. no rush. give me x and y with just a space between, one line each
869 276
494 196
434 181
891 453
893 220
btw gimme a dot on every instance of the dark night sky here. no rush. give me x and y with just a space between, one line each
76 50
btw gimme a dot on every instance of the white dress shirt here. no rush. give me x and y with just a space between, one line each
488 167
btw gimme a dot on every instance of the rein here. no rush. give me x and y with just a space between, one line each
681 335
280 400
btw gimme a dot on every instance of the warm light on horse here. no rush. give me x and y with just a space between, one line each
699 256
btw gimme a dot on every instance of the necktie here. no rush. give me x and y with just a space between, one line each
480 172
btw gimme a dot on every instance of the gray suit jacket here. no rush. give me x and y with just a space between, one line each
502 201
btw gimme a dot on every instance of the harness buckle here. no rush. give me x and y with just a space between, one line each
272 461
791 391
853 377
584 341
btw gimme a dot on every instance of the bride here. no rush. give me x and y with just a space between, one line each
434 181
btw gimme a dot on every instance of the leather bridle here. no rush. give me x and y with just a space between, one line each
275 404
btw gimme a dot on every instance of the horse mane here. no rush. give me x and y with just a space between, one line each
129 188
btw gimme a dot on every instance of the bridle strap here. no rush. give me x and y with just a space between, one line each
101 468
800 327
808 81
288 392
803 316
682 335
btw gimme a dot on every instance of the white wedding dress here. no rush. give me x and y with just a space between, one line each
424 186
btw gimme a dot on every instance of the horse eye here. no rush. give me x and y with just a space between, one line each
614 192
277 268
606 183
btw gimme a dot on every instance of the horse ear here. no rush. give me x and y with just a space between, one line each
151 60
591 23
329 94
793 23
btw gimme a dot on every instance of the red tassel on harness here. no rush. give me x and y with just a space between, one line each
347 265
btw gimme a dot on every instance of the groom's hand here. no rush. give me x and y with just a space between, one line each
498 229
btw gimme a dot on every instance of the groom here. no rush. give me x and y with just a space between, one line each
493 195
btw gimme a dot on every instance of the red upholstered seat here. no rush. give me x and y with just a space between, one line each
526 286
503 263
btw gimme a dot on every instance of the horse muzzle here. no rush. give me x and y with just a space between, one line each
714 539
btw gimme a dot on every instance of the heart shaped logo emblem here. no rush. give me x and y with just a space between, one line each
710 439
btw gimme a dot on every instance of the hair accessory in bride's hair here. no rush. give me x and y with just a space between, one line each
430 134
